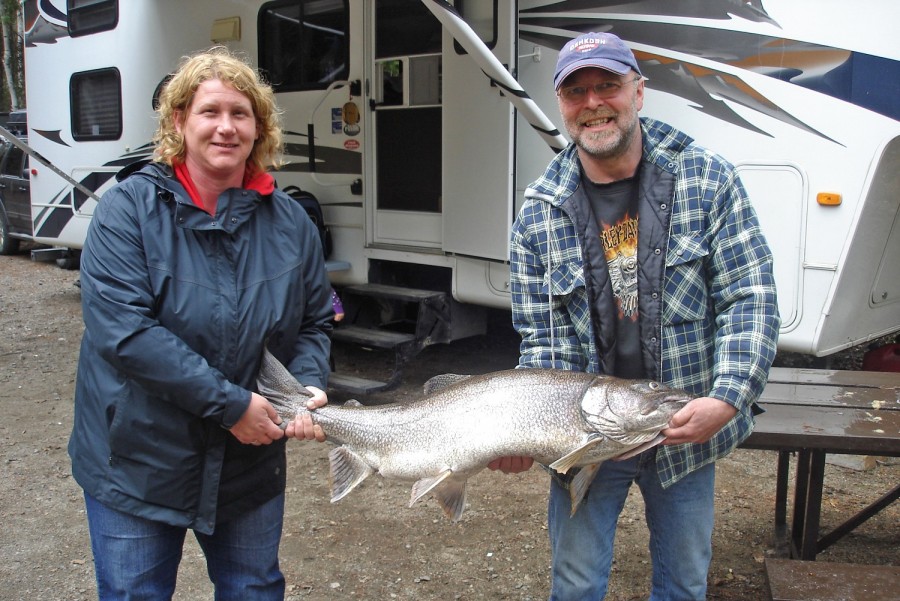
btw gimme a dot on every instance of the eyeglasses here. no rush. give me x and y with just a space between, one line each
603 90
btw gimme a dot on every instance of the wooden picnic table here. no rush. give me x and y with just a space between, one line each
814 412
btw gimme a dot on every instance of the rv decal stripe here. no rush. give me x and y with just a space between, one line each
723 10
43 23
54 223
828 70
703 87
54 136
328 159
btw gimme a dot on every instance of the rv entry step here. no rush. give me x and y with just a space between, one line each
401 320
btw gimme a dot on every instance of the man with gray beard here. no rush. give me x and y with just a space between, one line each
638 254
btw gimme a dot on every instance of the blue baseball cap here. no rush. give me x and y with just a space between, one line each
602 50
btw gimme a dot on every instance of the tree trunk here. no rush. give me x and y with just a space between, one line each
10 27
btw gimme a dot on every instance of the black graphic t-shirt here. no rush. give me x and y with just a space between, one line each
615 209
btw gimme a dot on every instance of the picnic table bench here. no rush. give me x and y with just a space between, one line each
813 413
792 580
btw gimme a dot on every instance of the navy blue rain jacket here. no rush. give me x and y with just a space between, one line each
178 306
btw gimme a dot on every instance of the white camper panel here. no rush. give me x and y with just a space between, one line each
804 97
419 155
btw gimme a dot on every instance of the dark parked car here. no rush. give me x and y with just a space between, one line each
15 197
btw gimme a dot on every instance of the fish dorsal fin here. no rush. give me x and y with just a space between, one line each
449 490
352 403
442 381
580 484
347 470
570 459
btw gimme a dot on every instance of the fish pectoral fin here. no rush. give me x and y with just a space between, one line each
442 381
449 490
347 470
640 448
570 459
580 484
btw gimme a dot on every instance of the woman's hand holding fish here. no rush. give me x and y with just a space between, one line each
259 424
303 427
698 421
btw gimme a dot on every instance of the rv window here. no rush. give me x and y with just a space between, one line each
403 28
482 18
303 44
90 16
96 99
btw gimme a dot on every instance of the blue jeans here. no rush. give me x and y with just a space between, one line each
680 520
137 559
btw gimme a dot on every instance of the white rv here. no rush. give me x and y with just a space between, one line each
418 132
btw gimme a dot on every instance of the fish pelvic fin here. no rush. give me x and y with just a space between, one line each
347 470
442 381
571 459
640 448
580 485
449 490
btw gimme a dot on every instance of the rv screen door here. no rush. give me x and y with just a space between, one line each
407 124
443 133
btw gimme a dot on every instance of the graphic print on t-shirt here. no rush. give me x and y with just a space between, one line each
620 246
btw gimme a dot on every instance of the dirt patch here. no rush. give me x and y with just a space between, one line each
369 545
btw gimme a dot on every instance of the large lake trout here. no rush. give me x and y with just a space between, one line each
563 419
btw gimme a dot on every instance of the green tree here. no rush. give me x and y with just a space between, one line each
12 92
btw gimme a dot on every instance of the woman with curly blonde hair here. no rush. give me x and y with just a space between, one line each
193 266
218 63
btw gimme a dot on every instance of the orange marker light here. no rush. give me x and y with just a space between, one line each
828 199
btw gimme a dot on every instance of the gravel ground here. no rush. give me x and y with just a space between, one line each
369 545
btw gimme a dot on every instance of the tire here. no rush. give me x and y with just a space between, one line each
8 245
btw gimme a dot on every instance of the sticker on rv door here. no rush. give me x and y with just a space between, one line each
350 115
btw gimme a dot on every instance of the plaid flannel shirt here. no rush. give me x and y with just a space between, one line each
719 319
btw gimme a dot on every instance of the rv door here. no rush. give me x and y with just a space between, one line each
443 150
478 142
406 123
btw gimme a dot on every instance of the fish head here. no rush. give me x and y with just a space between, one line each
622 409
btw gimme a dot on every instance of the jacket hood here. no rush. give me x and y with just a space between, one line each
132 168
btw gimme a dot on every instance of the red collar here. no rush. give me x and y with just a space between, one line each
261 182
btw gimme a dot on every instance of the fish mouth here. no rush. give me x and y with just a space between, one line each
675 402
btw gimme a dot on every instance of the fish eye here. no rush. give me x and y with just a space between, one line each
653 385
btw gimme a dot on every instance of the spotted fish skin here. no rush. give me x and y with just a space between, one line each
562 419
